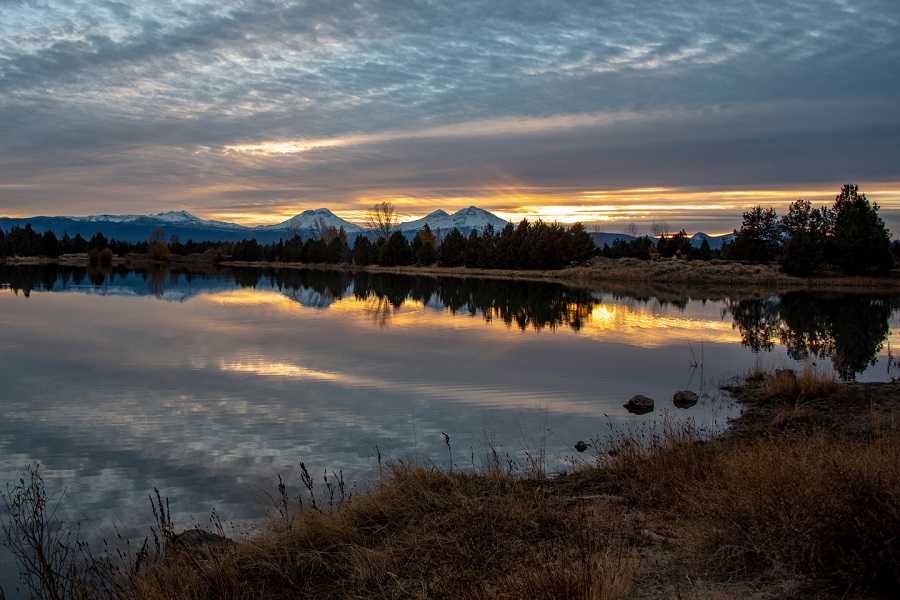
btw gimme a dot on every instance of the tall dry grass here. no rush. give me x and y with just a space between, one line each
819 507
422 534
792 386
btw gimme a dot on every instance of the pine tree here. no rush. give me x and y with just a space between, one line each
860 242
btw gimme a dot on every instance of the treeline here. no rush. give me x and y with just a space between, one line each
526 246
849 235
536 245
25 241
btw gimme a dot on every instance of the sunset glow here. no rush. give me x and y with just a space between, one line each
714 212
254 112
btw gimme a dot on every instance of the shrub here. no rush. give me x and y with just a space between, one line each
159 251
106 257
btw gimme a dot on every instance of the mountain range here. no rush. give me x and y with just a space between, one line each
135 228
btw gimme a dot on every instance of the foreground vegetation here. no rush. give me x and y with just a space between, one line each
800 499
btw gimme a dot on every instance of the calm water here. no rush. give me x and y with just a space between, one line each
209 386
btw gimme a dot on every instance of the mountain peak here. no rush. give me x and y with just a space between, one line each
464 219
310 220
174 216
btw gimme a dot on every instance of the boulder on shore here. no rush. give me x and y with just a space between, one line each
684 399
639 405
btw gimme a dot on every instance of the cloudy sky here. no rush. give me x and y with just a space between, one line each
605 111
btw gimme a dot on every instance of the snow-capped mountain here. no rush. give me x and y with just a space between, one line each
310 220
174 217
430 219
465 220
135 228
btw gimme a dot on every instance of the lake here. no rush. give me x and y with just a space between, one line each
209 385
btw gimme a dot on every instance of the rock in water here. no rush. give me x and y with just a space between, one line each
684 399
639 405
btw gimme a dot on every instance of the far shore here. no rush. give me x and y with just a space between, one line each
666 273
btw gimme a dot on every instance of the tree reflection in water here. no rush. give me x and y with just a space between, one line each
525 304
849 329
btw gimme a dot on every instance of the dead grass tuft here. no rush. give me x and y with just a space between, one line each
790 386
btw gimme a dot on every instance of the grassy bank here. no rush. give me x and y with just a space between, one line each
801 499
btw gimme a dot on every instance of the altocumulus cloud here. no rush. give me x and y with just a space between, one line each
263 107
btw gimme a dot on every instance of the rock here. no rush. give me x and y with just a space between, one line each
198 539
581 446
684 399
639 405
652 536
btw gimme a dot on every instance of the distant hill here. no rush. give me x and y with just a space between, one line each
609 239
715 241
136 228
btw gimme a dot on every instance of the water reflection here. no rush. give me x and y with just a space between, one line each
208 384
525 304
850 329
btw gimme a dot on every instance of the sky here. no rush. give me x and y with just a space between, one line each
605 112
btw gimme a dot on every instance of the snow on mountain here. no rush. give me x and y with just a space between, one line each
309 220
465 219
174 217
715 241
108 218
417 224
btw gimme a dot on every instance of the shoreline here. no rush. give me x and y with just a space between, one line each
668 274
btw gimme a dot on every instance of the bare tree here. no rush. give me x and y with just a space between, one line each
324 231
294 229
157 234
631 229
659 228
382 219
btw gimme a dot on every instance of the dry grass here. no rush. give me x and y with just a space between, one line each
818 508
793 387
423 534
778 516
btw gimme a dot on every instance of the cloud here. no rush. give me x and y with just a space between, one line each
413 96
